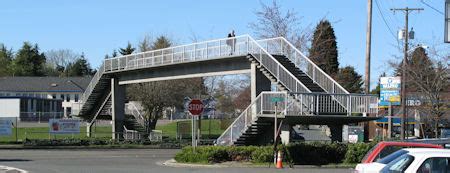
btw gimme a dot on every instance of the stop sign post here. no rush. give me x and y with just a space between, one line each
195 107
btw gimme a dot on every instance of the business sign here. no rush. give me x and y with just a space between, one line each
61 126
5 127
390 91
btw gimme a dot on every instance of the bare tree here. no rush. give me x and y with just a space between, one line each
145 44
155 96
61 57
272 22
428 79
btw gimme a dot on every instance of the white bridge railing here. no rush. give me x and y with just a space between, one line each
305 104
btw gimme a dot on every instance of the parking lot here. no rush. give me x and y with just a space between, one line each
117 160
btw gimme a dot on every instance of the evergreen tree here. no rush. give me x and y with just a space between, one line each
80 68
350 79
6 57
29 62
127 50
161 43
114 53
323 51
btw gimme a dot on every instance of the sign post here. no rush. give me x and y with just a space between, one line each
390 96
275 128
195 107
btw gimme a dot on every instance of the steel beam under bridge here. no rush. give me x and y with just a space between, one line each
203 68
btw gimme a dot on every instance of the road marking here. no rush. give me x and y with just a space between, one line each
4 169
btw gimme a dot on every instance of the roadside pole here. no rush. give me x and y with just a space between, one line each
390 121
195 108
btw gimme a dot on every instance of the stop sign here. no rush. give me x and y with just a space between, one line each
195 107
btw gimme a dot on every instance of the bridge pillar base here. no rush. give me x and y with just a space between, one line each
118 108
336 132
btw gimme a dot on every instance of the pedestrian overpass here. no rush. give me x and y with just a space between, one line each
310 96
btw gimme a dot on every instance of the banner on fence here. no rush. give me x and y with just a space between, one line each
58 126
5 127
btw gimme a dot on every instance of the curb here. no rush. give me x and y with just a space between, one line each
173 163
6 169
21 147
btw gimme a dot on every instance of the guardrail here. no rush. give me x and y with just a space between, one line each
281 46
260 105
324 103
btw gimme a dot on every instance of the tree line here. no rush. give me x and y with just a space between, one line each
29 61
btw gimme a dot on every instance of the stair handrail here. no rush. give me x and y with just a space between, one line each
279 66
92 83
139 116
247 117
316 68
247 121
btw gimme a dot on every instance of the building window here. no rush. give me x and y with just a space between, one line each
76 97
53 96
67 97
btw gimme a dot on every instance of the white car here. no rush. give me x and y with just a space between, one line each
420 160
378 165
410 160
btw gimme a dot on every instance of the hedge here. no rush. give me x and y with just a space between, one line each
316 153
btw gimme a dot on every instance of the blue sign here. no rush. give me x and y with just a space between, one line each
389 91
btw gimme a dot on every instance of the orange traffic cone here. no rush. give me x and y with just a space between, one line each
279 161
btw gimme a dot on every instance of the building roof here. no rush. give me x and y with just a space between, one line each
44 84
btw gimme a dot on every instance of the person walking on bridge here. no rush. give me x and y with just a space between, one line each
231 42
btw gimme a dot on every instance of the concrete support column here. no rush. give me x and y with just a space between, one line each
118 107
336 132
285 134
259 82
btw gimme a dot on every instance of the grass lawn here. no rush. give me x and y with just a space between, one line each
42 133
169 130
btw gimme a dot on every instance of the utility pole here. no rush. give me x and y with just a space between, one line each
404 66
368 45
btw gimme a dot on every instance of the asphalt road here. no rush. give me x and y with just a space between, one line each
117 160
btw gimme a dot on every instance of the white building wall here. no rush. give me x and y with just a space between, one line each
59 95
10 107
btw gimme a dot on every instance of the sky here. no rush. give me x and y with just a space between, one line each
98 27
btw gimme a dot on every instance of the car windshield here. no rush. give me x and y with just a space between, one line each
369 152
398 165
392 156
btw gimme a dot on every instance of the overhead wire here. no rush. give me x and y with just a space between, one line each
435 9
384 20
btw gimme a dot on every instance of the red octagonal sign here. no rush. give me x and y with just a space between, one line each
195 107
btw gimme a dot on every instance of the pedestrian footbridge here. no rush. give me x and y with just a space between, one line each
307 95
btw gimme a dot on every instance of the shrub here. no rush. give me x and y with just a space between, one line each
356 152
317 153
262 154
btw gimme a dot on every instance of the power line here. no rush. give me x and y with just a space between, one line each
384 20
435 9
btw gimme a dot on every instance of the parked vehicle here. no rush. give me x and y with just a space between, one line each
383 149
384 152
420 160
400 160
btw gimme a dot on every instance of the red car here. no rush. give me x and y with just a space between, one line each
383 149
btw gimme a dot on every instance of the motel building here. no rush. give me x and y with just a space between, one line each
40 98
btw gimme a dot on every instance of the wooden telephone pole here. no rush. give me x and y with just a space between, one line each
368 46
404 66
